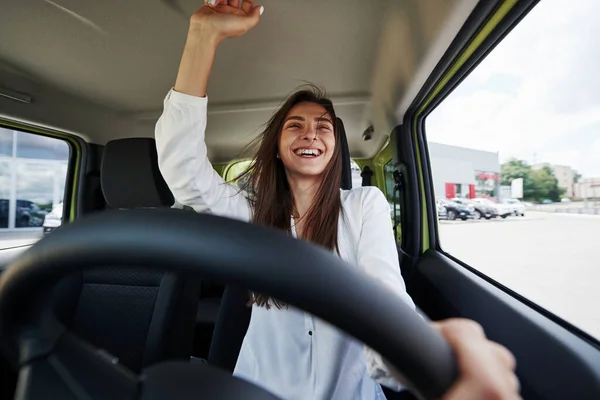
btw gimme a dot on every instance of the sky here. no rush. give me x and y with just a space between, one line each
536 96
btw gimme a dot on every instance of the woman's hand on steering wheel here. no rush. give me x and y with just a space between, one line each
222 19
486 368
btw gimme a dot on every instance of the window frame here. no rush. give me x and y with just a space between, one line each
461 59
74 179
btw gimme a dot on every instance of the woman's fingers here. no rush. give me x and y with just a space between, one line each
234 3
508 359
247 5
486 368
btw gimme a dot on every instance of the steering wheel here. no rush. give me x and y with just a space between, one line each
56 363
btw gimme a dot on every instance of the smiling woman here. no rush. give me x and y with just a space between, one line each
99 80
293 186
303 124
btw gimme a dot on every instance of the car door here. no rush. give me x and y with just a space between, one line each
491 271
37 167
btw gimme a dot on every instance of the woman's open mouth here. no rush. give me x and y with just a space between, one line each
308 153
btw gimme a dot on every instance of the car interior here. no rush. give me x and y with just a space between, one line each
137 296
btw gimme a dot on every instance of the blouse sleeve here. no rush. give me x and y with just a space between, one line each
183 160
378 256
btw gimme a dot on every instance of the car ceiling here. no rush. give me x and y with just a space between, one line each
101 69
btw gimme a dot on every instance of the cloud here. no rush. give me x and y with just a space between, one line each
537 95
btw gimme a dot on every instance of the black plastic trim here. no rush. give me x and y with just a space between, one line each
552 362
517 296
405 162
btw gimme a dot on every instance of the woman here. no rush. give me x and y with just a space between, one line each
294 185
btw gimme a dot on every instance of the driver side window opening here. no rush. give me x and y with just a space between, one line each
515 159
33 173
234 172
392 193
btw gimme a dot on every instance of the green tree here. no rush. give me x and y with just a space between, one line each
546 184
538 184
576 176
515 169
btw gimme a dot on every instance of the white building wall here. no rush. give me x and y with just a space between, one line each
452 170
459 165
587 188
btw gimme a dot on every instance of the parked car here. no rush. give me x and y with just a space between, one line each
455 210
517 205
54 218
502 210
441 211
479 210
546 201
3 213
28 214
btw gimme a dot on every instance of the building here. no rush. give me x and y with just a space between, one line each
564 175
587 189
463 172
33 169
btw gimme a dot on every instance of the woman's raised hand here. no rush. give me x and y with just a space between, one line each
222 19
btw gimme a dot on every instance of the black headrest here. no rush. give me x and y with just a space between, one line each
346 170
130 177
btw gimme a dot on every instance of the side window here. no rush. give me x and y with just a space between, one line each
393 196
234 172
33 171
390 183
515 157
356 178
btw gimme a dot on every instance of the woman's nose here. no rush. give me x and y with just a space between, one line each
310 133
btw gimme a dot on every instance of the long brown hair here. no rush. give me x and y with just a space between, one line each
269 192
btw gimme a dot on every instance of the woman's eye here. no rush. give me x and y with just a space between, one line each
294 126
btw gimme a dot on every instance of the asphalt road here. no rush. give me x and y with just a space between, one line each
551 259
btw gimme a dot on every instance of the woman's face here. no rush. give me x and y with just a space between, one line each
307 140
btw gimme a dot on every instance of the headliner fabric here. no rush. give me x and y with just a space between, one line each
130 177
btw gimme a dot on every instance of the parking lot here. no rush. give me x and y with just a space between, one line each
550 258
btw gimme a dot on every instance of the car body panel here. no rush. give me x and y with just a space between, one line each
54 218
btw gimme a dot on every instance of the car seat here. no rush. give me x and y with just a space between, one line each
140 316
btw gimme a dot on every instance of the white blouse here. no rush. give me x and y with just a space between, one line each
289 352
